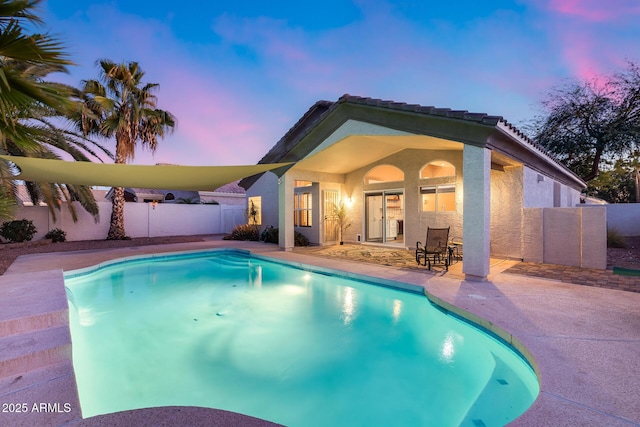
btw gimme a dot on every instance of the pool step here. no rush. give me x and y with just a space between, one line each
20 353
31 323
34 323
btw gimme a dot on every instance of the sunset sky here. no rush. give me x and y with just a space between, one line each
238 75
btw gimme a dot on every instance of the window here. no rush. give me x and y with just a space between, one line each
299 183
169 196
254 210
437 169
302 210
438 198
383 173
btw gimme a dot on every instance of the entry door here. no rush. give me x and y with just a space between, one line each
384 217
331 224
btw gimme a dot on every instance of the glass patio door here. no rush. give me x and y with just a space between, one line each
384 217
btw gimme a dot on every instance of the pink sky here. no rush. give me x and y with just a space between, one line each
238 79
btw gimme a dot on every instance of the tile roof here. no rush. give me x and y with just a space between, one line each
482 118
231 188
321 109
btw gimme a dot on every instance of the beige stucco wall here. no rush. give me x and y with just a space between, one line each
506 212
415 221
574 237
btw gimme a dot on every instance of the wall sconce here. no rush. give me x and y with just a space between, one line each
348 201
540 178
154 204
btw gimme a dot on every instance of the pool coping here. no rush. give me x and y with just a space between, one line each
484 326
582 357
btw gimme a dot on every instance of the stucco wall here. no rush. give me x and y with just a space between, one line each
506 212
141 220
267 187
538 191
415 221
575 237
623 218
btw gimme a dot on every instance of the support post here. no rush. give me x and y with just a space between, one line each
285 212
476 205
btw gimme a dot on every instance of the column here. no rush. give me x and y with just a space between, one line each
285 212
476 205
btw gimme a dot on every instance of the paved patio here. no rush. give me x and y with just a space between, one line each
585 340
401 258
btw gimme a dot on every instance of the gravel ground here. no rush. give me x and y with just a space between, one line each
628 257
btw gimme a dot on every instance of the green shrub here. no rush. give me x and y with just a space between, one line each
56 235
300 239
270 235
244 232
615 239
20 230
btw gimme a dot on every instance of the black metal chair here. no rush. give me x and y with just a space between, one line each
435 249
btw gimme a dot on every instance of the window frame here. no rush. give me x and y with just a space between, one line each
258 206
303 209
449 188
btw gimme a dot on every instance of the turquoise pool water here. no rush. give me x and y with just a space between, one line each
228 330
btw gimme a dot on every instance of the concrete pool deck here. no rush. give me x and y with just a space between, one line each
585 340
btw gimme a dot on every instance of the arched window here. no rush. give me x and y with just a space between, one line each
169 196
383 173
437 169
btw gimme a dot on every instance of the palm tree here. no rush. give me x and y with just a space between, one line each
119 105
46 140
29 105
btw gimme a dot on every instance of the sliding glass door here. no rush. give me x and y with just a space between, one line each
384 217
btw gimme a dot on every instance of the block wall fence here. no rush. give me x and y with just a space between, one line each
141 220
575 237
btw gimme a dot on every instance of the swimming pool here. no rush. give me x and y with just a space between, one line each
235 331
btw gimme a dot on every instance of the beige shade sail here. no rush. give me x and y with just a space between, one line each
166 177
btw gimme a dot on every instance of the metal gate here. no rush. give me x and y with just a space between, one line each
331 225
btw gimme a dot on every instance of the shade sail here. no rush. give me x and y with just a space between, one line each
166 177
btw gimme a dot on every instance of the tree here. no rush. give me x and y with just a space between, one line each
589 124
340 212
118 104
29 104
616 183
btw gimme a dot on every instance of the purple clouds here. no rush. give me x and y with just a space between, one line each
237 80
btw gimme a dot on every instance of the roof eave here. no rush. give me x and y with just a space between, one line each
514 134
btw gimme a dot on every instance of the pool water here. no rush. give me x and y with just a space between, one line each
228 330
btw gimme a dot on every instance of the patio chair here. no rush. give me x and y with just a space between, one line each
435 249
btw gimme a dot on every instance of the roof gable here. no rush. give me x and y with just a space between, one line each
479 129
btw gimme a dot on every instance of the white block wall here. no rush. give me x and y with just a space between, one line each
141 220
624 218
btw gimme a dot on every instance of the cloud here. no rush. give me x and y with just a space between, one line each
245 81
592 39
217 122
595 10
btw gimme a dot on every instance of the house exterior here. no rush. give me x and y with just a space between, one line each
149 195
229 194
400 168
